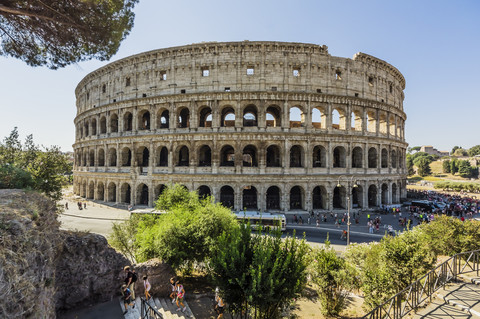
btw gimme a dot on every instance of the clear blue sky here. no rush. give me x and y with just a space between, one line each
435 44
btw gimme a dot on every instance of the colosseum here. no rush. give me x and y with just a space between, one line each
268 126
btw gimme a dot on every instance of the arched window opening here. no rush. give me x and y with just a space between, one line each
394 194
273 197
319 198
319 157
339 198
205 156
391 125
297 117
249 156
126 157
91 158
184 118
296 156
126 193
372 196
204 192
296 198
206 117
114 123
144 121
249 198
384 194
357 197
250 116
372 157
227 196
338 119
371 122
357 157
91 190
86 129
127 121
101 157
164 119
143 156
318 118
94 127
384 158
273 156
112 157
163 157
228 117
183 157
103 125
142 194
159 190
383 123
273 117
227 156
356 124
112 192
339 157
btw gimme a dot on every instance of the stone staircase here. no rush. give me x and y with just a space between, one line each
162 305
459 299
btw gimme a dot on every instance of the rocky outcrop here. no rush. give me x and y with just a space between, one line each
159 275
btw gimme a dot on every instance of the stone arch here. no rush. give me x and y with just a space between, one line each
183 118
339 197
249 198
163 119
319 117
393 159
296 117
112 157
100 191
142 156
126 157
391 125
127 121
249 156
91 158
371 121
113 123
250 116
183 156
205 156
357 157
273 198
142 194
339 157
382 123
297 198
91 190
372 196
273 156
297 157
319 198
162 159
228 117
357 120
205 117
227 196
126 193
158 190
103 125
204 191
273 116
94 126
86 128
384 158
83 189
319 158
227 156
384 194
372 157
101 157
339 118
144 120
112 192
394 193
357 196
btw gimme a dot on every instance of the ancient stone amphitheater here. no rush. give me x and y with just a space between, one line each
268 126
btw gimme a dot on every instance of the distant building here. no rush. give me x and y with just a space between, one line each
433 151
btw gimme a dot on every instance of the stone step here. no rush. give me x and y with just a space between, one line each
132 313
163 305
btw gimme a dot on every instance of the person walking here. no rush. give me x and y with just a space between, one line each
173 289
147 286
127 298
219 305
180 296
130 279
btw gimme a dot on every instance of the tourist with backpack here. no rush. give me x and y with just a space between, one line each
127 298
180 295
130 279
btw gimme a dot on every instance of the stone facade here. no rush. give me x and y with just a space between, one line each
259 125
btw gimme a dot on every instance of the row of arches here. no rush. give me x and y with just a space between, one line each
336 117
274 198
249 156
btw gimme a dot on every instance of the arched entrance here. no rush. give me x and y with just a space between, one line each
319 198
339 198
249 198
142 194
273 197
227 196
372 196
296 198
204 191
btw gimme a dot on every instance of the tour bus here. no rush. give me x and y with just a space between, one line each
264 220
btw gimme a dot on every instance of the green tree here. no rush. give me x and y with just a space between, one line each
446 166
475 150
414 149
58 33
460 152
465 169
410 169
11 148
454 149
258 275
423 165
454 166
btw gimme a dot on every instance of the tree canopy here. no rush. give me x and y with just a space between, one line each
57 33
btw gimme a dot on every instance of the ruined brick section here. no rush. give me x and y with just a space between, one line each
259 125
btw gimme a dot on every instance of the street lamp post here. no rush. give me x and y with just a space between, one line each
349 193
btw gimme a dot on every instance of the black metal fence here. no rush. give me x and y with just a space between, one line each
411 297
148 310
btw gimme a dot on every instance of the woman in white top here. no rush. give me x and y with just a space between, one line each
147 286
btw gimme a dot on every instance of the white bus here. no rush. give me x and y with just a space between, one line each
265 220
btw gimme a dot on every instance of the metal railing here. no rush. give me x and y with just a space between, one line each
414 295
148 311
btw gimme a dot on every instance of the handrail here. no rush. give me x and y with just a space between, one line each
411 297
148 311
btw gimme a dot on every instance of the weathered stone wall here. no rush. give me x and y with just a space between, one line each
217 117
